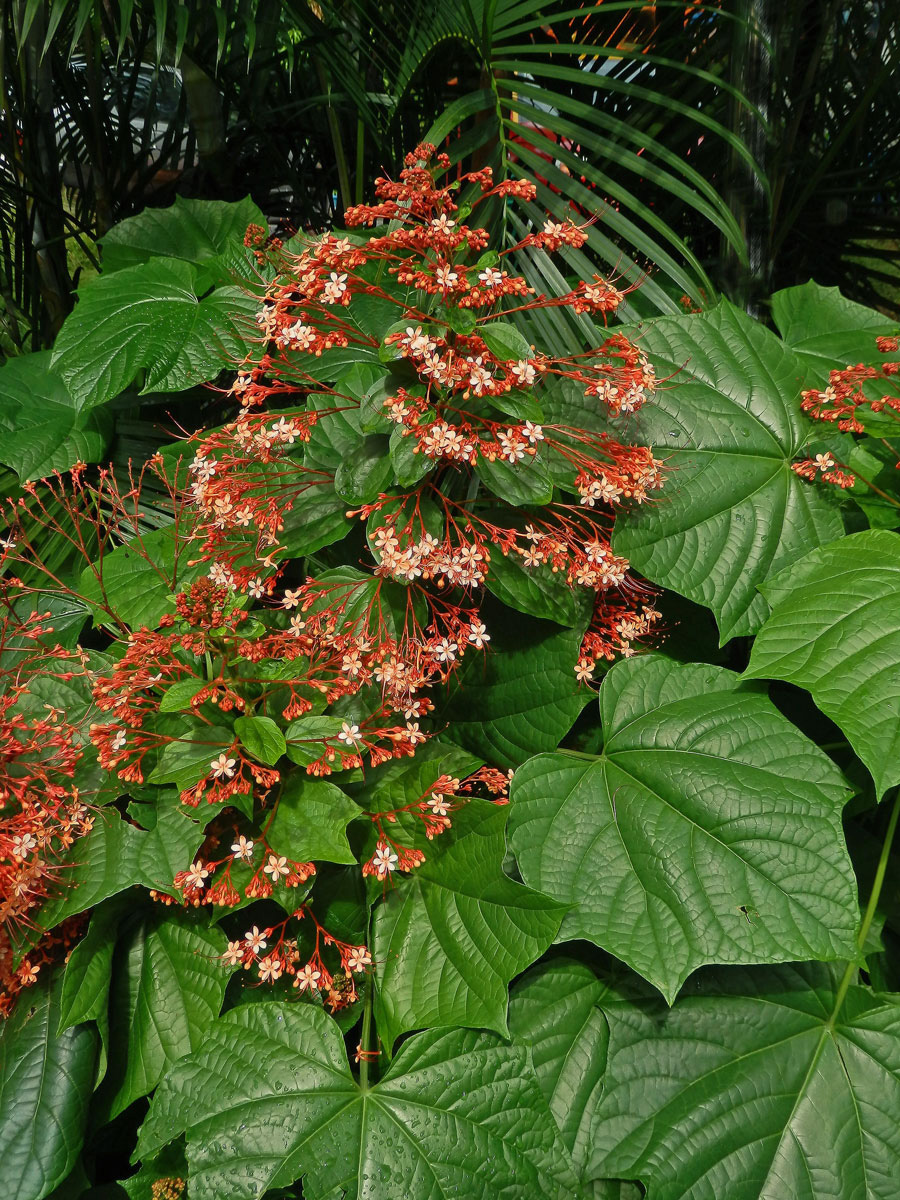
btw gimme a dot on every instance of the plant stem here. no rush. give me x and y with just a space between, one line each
869 914
366 1037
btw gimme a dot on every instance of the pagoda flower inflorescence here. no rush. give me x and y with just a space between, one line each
386 386
41 811
463 391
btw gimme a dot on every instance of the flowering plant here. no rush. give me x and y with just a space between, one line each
301 777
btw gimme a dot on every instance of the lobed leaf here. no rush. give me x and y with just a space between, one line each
167 988
148 318
708 831
453 934
270 1099
755 1087
311 820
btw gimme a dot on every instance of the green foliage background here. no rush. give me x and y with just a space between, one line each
674 968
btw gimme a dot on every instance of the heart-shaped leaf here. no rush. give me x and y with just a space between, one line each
709 830
835 630
148 317
732 512
196 231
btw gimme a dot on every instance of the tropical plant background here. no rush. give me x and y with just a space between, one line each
742 164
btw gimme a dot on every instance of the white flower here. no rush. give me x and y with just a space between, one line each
478 635
255 940
270 968
446 651
223 767
308 978
234 953
277 867
349 734
22 844
358 959
242 848
197 874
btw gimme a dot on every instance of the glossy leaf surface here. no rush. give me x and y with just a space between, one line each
835 630
752 1087
707 831
454 933
732 513
456 1112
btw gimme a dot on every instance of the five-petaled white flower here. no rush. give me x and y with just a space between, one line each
255 940
384 860
307 978
270 968
234 954
197 874
22 844
276 866
349 734
242 848
358 959
223 767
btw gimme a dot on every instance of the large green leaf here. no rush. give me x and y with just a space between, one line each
261 738
42 430
522 697
270 1098
167 989
196 231
538 591
311 820
148 318
728 425
554 1010
826 331
45 1086
88 973
753 1087
116 855
452 935
708 831
317 519
835 630
138 581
